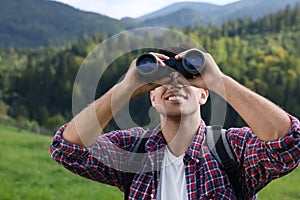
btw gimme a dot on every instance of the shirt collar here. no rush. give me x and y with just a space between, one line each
156 141
194 150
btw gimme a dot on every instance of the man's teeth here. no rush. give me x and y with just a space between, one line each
175 98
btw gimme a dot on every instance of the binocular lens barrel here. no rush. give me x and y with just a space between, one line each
192 64
146 64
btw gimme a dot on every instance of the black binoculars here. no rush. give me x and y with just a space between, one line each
191 65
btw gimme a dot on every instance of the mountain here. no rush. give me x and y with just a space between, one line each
254 8
201 8
33 23
177 19
184 14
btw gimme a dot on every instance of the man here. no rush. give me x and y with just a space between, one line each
268 149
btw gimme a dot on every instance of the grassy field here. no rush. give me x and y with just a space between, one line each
28 173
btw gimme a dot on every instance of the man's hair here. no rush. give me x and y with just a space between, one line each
172 51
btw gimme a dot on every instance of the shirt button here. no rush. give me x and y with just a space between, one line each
152 196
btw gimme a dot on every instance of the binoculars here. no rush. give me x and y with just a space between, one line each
192 64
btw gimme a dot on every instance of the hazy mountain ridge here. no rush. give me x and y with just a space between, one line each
212 14
34 23
203 8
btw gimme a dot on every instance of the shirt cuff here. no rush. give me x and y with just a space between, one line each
70 150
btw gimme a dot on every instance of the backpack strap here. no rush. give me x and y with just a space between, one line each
135 161
220 148
218 145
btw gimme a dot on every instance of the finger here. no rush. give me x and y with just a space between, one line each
160 62
196 81
179 56
160 56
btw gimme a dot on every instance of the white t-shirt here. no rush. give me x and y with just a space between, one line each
172 182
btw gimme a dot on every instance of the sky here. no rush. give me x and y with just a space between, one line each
128 8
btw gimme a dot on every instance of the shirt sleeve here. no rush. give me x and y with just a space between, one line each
263 162
105 161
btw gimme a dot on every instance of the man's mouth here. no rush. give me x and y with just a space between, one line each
176 98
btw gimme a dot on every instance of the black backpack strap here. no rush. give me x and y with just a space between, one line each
221 149
135 161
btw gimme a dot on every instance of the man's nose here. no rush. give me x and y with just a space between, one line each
176 81
173 82
175 75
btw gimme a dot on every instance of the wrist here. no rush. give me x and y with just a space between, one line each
218 85
124 88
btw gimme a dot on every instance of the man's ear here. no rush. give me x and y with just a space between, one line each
203 96
152 98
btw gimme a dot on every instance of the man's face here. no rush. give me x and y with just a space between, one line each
176 99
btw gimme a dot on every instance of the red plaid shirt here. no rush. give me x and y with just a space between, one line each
261 161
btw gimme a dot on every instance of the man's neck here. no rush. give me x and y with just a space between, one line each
179 132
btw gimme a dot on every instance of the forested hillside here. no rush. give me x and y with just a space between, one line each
263 54
35 23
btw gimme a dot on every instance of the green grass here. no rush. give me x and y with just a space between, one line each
285 188
28 173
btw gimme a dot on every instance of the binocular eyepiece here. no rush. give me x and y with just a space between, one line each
191 65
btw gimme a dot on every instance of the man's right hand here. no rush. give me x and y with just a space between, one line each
84 128
132 80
